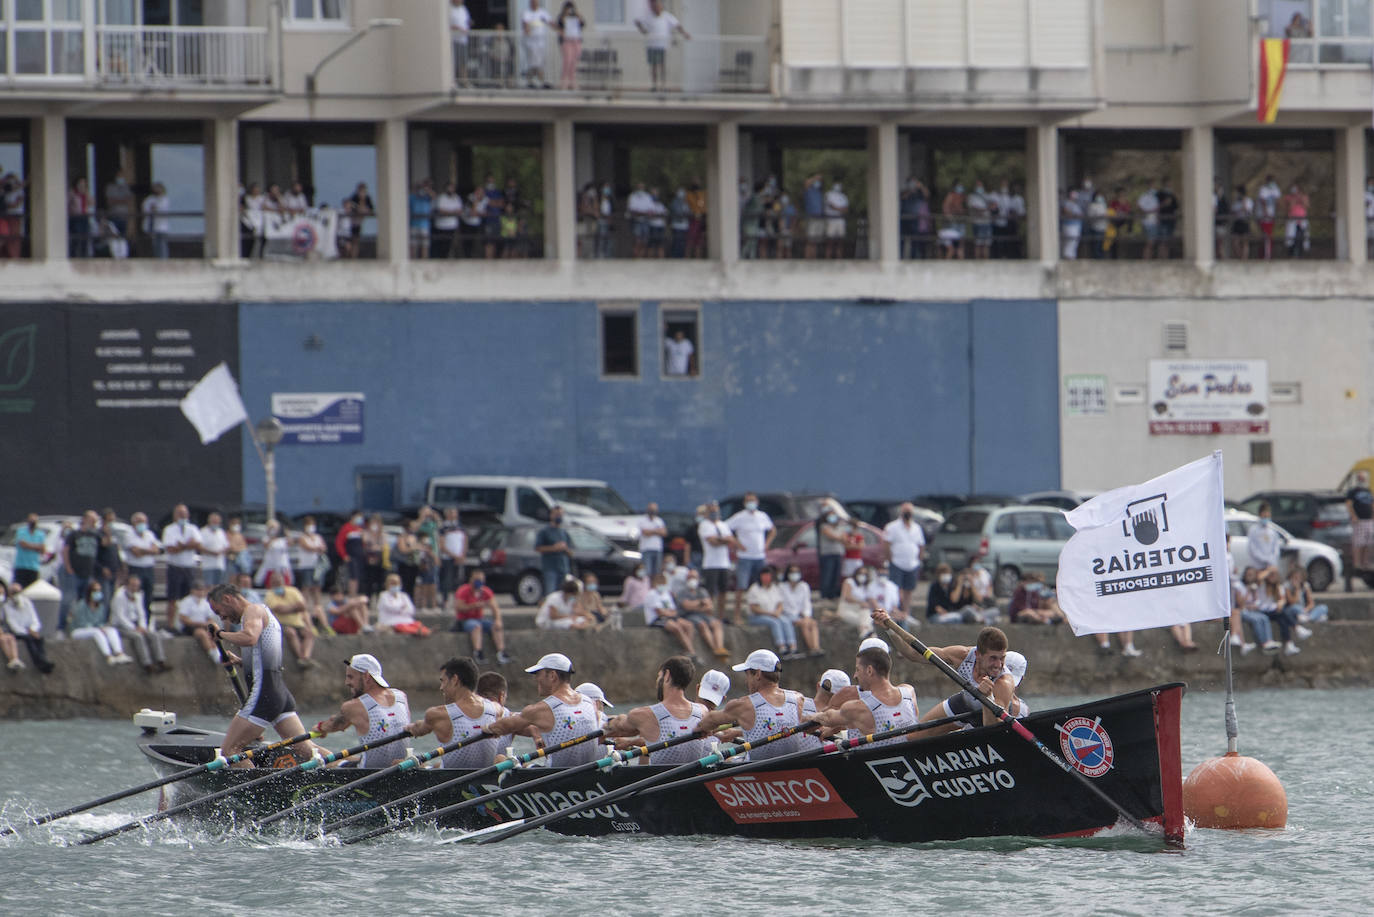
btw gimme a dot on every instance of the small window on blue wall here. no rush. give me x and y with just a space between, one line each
619 343
681 343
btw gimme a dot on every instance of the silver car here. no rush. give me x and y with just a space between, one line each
1009 540
1321 561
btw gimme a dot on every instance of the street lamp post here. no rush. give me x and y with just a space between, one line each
269 433
313 75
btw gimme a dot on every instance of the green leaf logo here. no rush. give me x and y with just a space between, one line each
17 357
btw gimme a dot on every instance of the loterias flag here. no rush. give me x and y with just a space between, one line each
1148 555
1273 64
213 405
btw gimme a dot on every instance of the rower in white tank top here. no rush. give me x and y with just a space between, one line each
478 754
670 727
569 722
769 720
386 720
891 716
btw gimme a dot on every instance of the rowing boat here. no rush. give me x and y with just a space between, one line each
983 782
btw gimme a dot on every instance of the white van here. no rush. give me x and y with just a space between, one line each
587 503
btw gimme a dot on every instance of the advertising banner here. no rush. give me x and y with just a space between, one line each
1205 397
319 418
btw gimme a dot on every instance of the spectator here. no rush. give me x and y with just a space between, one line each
1119 222
476 613
406 556
396 612
1221 219
652 530
376 556
1359 506
1032 602
754 533
1298 27
695 604
764 600
214 551
448 210
554 546
589 600
751 223
348 615
1263 543
129 614
1095 225
12 201
658 225
29 547
634 591
853 548
973 595
1298 597
915 197
191 617
679 223
140 548
638 209
459 25
453 547
951 233
181 541
980 210
295 202
119 203
716 542
348 543
535 23
156 224
287 605
904 545
830 551
240 558
940 607
855 604
588 205
658 28
796 608
80 209
605 222
252 221
18 616
679 355
1269 599
813 205
276 554
696 229
309 561
90 621
80 548
786 225
1148 205
356 208
1267 207
559 610
10 647
1168 217
660 611
1071 224
1242 212
836 215
1297 234
421 211
1250 603
570 26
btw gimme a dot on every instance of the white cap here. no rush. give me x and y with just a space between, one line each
590 690
715 684
875 643
1016 665
759 660
556 661
836 679
368 665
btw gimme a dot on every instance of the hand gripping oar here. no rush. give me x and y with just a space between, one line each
606 763
220 794
1015 724
500 768
401 767
218 763
638 786
232 671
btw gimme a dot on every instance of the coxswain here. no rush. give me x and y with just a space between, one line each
873 703
831 682
767 710
559 715
461 716
269 702
673 716
375 710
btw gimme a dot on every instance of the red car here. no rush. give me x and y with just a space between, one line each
796 544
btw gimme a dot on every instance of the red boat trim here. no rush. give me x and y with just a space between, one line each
1167 705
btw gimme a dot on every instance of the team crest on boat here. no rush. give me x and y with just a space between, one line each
1086 745
899 781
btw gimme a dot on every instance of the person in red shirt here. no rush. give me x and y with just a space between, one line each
472 599
349 545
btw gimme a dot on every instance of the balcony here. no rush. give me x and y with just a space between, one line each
612 63
172 56
960 52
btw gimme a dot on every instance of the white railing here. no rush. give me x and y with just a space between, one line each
182 56
1333 52
615 62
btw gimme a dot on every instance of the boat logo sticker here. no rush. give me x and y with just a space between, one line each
899 780
1086 745
776 796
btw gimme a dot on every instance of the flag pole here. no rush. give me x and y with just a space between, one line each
1232 730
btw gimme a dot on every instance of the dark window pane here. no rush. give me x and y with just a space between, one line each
619 344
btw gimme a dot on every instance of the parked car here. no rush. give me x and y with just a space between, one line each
879 513
782 505
511 564
1009 540
1321 561
795 543
946 503
1064 499
1319 515
586 503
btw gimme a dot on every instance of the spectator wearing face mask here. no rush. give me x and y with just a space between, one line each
764 599
288 606
796 607
904 544
854 606
940 607
276 555
90 621
349 545
589 600
476 613
695 605
661 611
716 542
830 551
554 546
396 611
635 589
1263 543
754 533
141 547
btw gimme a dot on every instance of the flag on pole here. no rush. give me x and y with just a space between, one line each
1148 555
213 405
1273 64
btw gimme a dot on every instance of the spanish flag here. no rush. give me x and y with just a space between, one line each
1273 63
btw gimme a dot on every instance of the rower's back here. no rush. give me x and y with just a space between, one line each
771 718
671 726
571 721
476 754
383 720
891 716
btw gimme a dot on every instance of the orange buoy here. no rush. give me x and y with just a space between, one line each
1234 792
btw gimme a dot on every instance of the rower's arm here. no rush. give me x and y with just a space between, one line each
629 725
351 713
1002 693
738 711
538 715
252 625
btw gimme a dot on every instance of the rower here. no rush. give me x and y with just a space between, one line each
269 702
767 710
831 682
674 715
715 684
492 686
873 703
560 714
375 710
462 715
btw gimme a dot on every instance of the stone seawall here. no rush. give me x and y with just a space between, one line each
624 663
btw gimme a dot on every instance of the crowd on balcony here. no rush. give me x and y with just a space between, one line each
122 227
649 225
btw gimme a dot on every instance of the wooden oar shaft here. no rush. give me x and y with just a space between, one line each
231 671
474 775
1016 725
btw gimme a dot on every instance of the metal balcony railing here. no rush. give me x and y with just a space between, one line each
182 56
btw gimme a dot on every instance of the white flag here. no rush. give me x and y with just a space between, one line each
1148 555
213 405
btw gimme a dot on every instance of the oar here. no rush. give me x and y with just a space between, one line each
220 794
1011 721
500 768
232 671
639 786
607 762
407 764
218 763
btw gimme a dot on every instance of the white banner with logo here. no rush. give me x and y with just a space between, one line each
1206 397
309 235
1148 555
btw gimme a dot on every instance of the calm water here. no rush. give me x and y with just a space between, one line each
1319 864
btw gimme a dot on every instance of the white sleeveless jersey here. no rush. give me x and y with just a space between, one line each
770 720
265 655
891 716
384 721
1015 666
479 754
806 739
670 727
569 722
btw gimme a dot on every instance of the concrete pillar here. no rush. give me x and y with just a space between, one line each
722 187
884 240
220 148
1199 227
393 192
560 191
1042 193
48 189
1350 179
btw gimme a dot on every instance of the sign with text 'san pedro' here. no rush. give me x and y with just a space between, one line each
319 418
1207 397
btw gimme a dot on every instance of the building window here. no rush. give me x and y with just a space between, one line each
681 343
319 12
48 38
1261 452
610 12
619 343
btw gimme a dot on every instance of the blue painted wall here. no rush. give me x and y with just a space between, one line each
864 400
